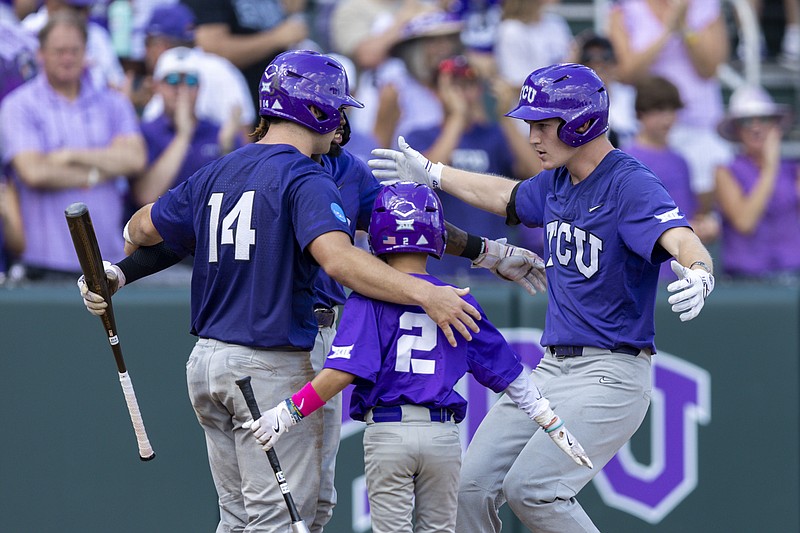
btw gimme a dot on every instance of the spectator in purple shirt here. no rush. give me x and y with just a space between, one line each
178 141
759 192
68 141
657 104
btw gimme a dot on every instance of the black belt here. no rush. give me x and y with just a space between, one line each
395 414
325 316
577 351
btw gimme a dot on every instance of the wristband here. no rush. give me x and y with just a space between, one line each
307 400
126 235
702 265
474 247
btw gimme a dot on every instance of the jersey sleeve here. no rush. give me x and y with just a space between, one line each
490 359
316 208
172 216
527 202
646 211
356 347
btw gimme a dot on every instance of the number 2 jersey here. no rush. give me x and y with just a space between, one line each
400 356
248 219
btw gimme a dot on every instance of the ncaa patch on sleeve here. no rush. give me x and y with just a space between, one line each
338 212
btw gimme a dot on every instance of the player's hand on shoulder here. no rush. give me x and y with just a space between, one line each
691 290
446 307
554 427
512 263
273 423
95 303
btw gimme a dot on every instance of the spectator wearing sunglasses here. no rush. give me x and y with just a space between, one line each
178 141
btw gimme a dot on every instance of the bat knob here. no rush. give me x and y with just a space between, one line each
149 458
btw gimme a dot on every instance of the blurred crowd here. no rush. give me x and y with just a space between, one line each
112 103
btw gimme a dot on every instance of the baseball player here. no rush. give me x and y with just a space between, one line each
405 372
609 224
259 223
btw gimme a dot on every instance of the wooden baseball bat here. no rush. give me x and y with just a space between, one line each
88 251
298 525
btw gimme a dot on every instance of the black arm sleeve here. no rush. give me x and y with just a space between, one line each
147 260
511 208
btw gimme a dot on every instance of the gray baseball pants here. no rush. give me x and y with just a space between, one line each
331 433
249 497
412 470
602 398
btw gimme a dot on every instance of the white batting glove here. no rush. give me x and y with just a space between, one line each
273 423
95 303
406 165
691 290
555 428
513 263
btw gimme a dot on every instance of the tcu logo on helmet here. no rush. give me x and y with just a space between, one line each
528 93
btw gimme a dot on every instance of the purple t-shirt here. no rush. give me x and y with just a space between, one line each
400 356
483 149
774 246
204 147
358 188
673 171
248 219
601 251
34 118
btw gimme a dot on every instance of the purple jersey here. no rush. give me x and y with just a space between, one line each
400 356
673 171
204 146
358 188
601 250
773 247
248 218
483 149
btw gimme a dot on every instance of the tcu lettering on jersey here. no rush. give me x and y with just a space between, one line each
569 243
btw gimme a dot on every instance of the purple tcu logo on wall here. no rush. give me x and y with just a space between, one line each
680 401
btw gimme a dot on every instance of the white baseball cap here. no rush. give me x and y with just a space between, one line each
178 60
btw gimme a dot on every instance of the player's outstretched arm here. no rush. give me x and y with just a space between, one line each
277 421
694 269
524 392
368 275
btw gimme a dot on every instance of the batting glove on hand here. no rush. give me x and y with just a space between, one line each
512 263
555 428
95 303
406 165
274 423
691 290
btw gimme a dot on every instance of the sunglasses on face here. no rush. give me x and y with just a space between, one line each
749 122
174 78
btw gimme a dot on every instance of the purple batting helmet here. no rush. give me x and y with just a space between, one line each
407 217
571 92
296 80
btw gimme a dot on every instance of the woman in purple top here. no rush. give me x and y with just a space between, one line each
759 193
